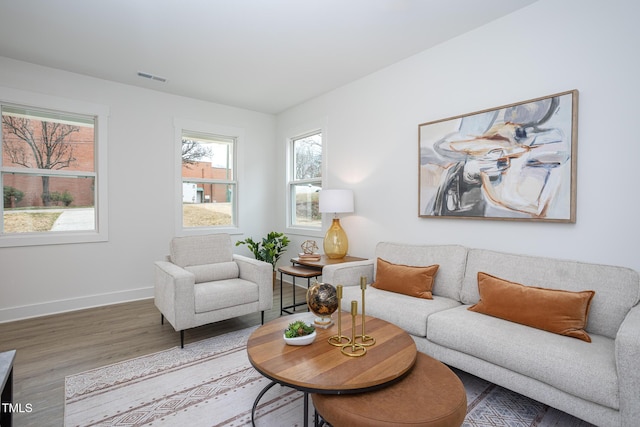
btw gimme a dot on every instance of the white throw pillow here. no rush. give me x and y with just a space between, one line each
212 272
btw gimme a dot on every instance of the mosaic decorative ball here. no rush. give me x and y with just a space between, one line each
322 300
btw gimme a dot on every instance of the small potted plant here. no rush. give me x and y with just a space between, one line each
299 333
270 249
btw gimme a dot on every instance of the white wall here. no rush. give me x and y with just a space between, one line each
549 47
39 280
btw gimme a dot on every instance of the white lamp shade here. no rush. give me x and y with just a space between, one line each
336 201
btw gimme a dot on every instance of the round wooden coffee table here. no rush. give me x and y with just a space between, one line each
321 367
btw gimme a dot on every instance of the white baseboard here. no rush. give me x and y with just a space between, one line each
11 314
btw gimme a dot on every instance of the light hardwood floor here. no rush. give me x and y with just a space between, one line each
52 347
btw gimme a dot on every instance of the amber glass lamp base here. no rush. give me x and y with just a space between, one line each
336 243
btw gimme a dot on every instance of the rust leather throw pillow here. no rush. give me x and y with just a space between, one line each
405 279
552 310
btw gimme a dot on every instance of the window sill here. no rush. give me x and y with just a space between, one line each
300 231
46 239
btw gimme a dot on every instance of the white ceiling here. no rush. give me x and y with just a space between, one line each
262 55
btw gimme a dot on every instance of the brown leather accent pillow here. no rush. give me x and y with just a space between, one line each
405 279
552 310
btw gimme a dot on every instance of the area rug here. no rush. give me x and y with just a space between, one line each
211 383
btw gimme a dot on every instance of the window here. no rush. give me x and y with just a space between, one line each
305 180
49 174
208 180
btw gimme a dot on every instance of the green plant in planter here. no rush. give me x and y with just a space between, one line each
270 249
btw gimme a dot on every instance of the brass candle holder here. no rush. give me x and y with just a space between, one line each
353 349
339 340
364 339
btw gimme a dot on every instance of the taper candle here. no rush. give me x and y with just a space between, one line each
338 340
365 339
353 349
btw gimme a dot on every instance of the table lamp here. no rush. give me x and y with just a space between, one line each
336 243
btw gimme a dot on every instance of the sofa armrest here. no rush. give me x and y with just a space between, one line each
258 272
174 294
628 365
348 273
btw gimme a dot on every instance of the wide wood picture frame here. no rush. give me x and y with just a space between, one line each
514 162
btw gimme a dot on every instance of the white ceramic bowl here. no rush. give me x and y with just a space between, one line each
303 340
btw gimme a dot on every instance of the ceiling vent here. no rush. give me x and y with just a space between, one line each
151 76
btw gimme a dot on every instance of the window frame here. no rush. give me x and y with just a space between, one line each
195 127
291 182
36 101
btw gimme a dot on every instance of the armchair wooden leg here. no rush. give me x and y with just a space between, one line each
182 338
161 319
262 317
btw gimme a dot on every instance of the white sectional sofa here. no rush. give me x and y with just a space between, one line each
596 381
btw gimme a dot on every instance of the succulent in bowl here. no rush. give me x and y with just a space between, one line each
298 329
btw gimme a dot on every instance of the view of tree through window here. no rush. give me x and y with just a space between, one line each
47 171
306 180
208 180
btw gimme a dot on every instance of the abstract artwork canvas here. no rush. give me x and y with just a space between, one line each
515 162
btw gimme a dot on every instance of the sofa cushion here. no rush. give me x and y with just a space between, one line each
211 296
408 313
553 310
197 250
405 279
586 370
450 258
617 288
212 272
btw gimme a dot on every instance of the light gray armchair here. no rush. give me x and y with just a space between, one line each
203 281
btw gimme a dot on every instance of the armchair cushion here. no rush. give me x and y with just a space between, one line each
212 296
198 250
212 272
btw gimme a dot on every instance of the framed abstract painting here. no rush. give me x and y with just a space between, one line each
515 162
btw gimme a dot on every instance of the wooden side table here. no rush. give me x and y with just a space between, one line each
306 269
6 375
296 271
324 261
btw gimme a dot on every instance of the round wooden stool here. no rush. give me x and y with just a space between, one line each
430 395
